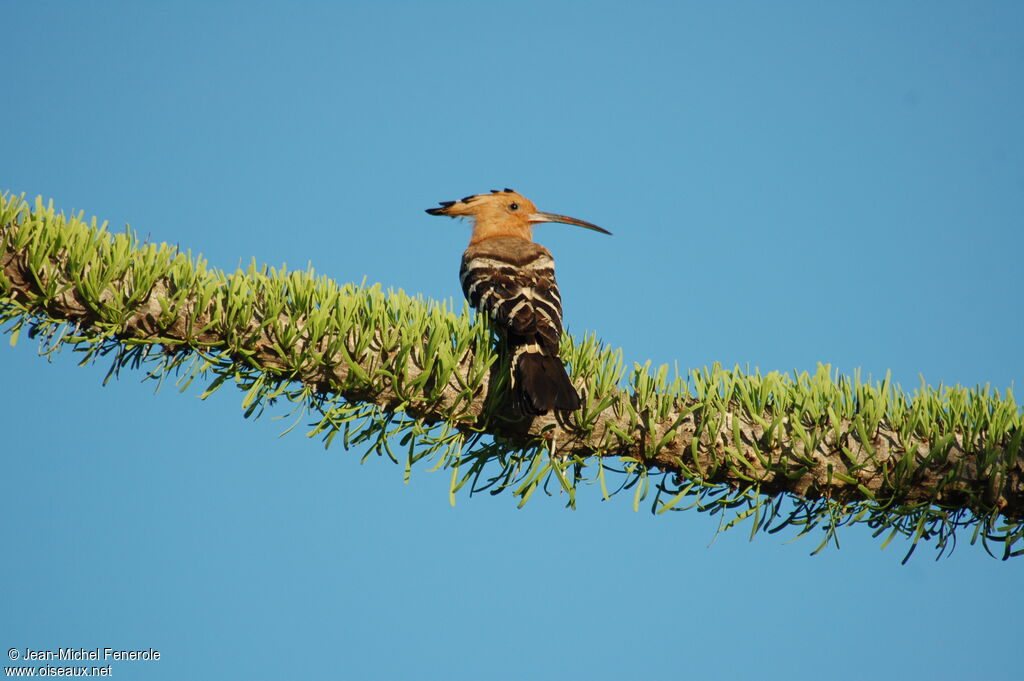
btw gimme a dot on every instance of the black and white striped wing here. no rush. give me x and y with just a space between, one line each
518 293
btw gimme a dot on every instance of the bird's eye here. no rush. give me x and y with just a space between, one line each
513 206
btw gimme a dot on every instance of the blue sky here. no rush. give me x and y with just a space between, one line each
788 184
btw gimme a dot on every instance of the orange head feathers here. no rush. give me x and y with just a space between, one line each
503 213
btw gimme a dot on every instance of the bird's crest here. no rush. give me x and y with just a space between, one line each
479 205
503 213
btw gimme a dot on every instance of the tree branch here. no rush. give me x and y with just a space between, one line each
843 450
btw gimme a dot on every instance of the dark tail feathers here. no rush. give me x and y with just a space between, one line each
542 384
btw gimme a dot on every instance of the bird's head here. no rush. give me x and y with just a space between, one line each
503 213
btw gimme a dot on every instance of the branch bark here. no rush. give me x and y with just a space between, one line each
693 439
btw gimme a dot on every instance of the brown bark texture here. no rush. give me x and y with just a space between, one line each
809 451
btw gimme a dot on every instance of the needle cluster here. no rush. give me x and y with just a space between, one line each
419 382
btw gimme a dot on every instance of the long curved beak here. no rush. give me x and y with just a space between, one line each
565 220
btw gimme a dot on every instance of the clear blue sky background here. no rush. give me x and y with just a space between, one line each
788 184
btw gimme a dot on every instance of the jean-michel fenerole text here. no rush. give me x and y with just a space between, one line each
91 654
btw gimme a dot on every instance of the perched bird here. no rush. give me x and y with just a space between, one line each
511 279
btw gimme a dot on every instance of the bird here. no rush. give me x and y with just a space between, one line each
511 279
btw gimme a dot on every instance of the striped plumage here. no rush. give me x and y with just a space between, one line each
511 279
513 282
